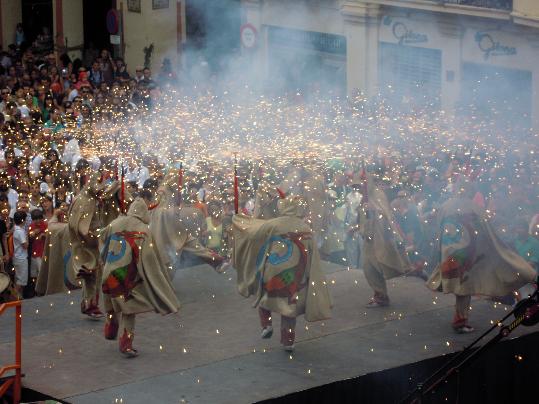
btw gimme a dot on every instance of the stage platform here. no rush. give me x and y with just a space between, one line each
211 352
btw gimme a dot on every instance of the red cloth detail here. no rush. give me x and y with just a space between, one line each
236 192
38 244
265 317
459 321
288 337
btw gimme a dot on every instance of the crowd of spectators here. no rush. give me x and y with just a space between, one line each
49 107
52 108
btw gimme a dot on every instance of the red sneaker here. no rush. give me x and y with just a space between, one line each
287 339
126 345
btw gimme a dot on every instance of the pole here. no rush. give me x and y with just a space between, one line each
122 191
180 184
18 354
236 190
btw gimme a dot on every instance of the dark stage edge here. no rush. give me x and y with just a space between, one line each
65 356
507 373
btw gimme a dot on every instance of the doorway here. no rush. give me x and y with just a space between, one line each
96 34
37 23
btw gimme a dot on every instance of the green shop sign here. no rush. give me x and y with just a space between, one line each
490 47
316 41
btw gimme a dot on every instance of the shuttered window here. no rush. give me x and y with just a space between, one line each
497 94
409 73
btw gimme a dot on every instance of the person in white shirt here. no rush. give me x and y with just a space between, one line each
72 94
20 252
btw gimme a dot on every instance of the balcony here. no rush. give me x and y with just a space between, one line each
495 4
501 10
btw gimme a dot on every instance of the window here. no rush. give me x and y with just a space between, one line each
410 73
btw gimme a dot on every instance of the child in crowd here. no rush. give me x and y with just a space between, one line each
20 252
37 233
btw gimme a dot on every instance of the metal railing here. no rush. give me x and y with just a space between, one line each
15 380
496 4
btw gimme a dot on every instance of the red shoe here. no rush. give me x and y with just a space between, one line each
126 345
376 302
287 339
111 327
91 309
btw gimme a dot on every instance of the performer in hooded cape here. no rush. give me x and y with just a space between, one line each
135 277
170 229
266 198
311 187
93 209
383 255
56 274
71 246
277 261
473 260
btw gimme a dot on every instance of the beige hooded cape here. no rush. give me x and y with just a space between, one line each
94 208
266 199
277 261
134 274
383 245
169 226
55 274
66 250
311 187
473 259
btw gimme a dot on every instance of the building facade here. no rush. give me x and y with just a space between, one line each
454 54
140 23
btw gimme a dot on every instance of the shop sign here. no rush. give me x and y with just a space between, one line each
160 4
403 34
490 47
317 41
406 36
